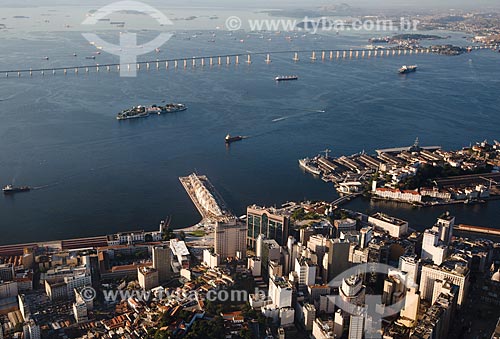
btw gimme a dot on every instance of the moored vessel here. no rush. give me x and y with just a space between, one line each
135 112
309 166
172 108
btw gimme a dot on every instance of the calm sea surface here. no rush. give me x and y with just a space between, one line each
95 175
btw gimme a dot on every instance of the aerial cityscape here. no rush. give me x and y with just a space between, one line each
266 170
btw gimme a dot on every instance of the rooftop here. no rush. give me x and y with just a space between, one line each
387 218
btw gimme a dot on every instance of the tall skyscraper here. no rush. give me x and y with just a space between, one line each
306 272
446 222
410 264
432 247
356 325
162 262
411 304
230 239
338 258
268 221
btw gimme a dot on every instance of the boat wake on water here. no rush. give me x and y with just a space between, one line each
279 119
298 115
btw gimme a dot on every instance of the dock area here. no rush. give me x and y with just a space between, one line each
205 197
478 229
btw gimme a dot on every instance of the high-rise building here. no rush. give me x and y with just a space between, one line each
356 325
453 271
8 289
280 292
436 321
306 272
80 312
394 226
323 329
210 259
366 235
411 304
309 315
338 258
410 264
162 262
6 272
352 290
31 330
432 247
148 278
338 327
345 225
446 222
268 221
76 282
230 239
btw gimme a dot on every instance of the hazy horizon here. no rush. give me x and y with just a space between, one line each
377 4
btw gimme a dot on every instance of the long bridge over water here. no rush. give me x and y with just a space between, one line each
219 60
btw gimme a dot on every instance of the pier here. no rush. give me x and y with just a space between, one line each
310 56
478 229
206 198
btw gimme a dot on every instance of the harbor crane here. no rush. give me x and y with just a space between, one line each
327 153
491 181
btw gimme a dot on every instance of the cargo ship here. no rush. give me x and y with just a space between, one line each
309 166
408 69
286 77
135 112
229 139
9 189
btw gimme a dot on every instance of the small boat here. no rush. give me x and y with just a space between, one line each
229 139
407 69
45 58
9 189
286 78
